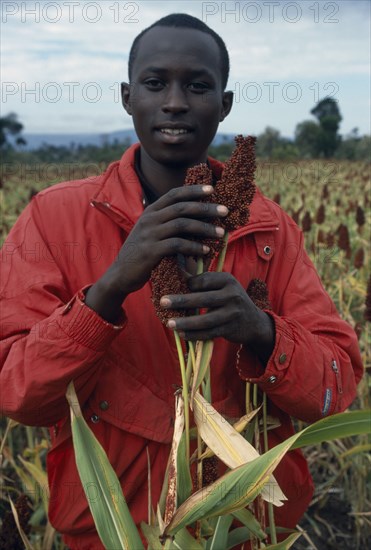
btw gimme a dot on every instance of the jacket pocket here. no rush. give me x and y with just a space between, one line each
125 402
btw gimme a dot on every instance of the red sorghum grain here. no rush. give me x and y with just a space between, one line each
258 293
367 313
235 190
321 214
343 240
359 258
306 222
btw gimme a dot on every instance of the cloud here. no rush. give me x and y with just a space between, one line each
307 43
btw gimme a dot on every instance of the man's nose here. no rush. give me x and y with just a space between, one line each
175 100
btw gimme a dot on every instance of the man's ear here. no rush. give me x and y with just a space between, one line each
227 105
125 97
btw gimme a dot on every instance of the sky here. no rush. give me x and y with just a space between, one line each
62 62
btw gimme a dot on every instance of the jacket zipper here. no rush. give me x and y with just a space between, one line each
337 375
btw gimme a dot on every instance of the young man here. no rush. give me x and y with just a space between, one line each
77 299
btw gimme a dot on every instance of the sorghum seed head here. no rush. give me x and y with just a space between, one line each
236 187
306 222
360 216
321 237
166 278
321 214
209 470
358 330
235 190
367 313
343 237
330 239
325 191
258 293
359 258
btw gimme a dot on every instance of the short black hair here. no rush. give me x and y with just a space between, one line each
185 21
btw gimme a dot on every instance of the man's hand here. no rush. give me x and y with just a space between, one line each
166 228
231 314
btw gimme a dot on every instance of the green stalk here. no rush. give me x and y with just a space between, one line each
189 367
222 254
6 433
199 480
206 388
30 437
207 345
248 397
272 524
192 358
255 396
185 389
341 290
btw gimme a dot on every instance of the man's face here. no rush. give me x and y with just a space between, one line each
176 97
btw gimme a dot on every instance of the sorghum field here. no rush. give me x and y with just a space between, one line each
331 202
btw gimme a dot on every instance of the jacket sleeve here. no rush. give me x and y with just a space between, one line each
48 337
316 363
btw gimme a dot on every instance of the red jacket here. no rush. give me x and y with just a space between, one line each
64 241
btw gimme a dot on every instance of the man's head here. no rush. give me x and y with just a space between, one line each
176 92
185 21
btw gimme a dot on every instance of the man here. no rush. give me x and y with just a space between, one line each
77 298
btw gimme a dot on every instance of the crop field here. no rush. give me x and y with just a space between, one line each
330 201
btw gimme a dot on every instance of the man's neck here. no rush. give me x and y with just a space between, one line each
161 178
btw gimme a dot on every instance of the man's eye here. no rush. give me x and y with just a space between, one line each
153 83
200 87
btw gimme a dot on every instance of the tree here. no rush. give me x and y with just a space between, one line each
9 125
328 115
307 138
354 147
270 144
267 142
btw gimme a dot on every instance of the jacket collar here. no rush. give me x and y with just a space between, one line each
121 196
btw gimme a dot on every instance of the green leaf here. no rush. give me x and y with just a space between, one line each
41 479
184 475
22 534
231 492
228 444
112 518
362 448
220 537
241 485
171 498
286 544
248 519
152 534
238 536
204 351
185 541
335 427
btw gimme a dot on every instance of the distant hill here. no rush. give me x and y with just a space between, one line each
35 141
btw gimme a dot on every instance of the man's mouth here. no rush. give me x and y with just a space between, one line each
174 131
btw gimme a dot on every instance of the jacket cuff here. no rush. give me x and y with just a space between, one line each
85 326
250 368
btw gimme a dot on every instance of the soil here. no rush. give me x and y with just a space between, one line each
330 526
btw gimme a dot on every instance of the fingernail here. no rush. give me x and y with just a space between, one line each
205 249
222 210
171 323
165 302
220 231
207 188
